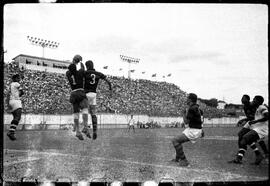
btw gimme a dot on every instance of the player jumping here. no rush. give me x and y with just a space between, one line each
92 78
258 130
191 133
14 105
75 76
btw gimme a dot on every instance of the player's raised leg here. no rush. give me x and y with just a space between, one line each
84 106
14 104
91 96
77 127
264 148
14 123
92 109
180 155
250 138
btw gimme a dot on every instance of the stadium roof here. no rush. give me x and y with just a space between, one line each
41 58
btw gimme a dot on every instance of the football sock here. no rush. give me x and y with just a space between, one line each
241 153
94 122
85 120
76 122
254 148
13 126
179 152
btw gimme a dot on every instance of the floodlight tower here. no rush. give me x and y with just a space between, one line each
129 60
43 43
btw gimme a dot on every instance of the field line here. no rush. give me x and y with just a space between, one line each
29 159
230 138
122 161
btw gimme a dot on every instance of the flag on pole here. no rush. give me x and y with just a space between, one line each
105 67
169 75
154 75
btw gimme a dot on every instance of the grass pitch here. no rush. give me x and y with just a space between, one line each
128 157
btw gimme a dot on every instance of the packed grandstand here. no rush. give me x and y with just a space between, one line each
48 93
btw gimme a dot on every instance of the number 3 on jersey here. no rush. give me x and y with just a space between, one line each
93 81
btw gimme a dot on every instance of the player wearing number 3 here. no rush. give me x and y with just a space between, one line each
90 86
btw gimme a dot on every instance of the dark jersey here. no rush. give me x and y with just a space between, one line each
194 116
91 80
75 78
249 111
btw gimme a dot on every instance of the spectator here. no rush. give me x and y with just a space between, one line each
48 93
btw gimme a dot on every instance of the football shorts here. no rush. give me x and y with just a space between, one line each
262 130
79 100
15 104
192 134
92 98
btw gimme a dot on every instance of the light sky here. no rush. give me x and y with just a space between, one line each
214 50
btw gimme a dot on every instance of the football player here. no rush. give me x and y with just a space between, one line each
258 131
14 105
92 78
75 76
194 130
249 110
131 124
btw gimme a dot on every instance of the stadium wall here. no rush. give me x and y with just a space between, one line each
37 121
43 68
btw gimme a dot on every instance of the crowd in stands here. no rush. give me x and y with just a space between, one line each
48 93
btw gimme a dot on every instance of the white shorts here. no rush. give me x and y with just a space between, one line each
92 98
262 130
15 104
193 134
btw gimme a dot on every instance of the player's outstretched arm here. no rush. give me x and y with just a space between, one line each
109 83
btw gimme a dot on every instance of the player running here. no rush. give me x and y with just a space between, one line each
14 104
92 78
249 110
131 124
191 133
75 76
258 131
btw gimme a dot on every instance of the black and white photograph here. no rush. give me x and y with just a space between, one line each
143 93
